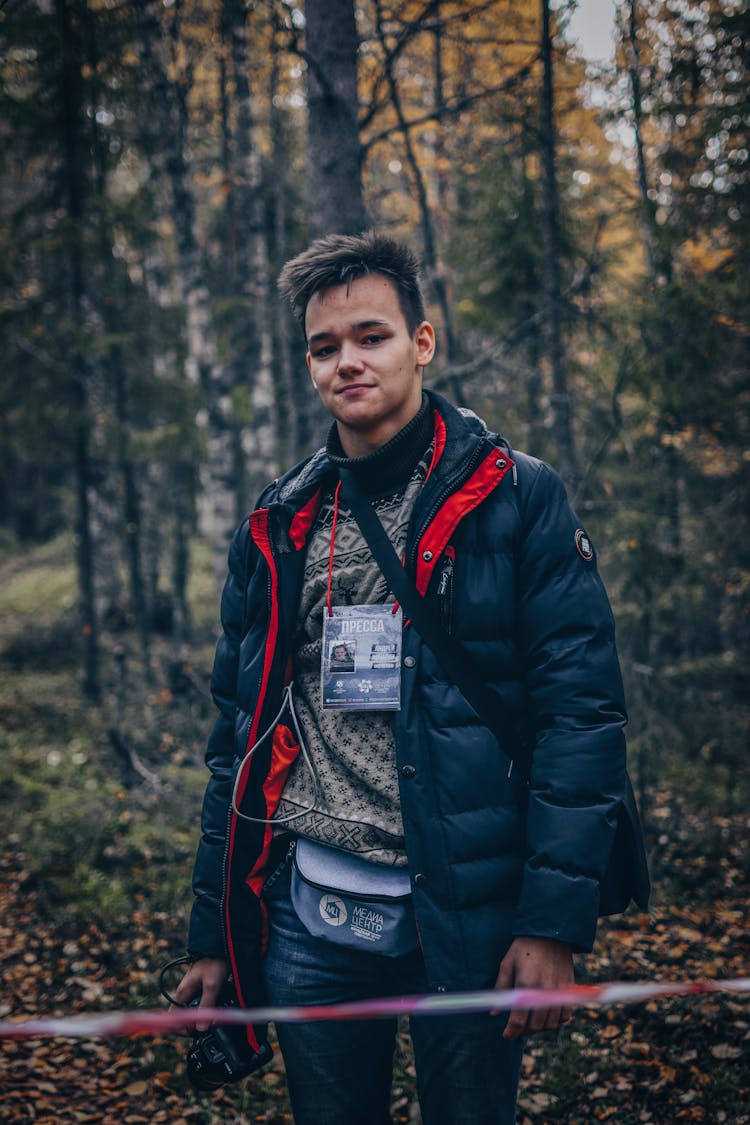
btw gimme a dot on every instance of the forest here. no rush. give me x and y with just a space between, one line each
582 227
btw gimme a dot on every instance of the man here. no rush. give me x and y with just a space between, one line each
341 659
505 866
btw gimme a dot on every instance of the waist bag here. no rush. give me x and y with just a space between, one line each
349 901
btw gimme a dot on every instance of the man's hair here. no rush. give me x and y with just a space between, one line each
340 259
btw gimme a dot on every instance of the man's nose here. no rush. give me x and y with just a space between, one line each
349 358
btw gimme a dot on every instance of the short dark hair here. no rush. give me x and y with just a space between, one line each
340 259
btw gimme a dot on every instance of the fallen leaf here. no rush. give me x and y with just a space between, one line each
135 1089
725 1051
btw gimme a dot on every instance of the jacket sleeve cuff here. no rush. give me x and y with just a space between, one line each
559 907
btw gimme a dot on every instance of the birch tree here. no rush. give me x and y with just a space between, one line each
253 267
204 365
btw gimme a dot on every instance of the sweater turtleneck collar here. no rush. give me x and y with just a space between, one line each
383 470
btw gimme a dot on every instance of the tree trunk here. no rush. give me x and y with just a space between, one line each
171 480
261 440
629 36
69 20
168 104
561 409
439 235
296 398
433 268
234 245
141 603
184 510
130 516
657 339
334 163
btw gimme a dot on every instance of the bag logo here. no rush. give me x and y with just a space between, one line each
367 923
332 910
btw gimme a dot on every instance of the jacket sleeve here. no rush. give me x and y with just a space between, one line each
576 712
206 935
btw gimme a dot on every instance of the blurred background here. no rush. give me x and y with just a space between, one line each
575 178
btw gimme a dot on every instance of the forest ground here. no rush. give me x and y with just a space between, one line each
94 894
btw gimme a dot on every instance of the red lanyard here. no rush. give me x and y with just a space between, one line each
330 551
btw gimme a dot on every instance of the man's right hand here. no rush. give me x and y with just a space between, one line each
205 978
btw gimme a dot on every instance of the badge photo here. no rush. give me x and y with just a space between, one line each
342 656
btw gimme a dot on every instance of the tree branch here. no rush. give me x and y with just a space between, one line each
409 29
498 351
452 109
615 427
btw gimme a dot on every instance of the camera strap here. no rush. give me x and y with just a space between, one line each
456 662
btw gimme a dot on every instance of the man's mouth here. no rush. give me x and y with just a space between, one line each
353 388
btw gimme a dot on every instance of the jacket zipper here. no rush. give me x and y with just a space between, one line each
225 862
449 487
445 591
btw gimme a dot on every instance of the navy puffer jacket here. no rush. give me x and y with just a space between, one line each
501 558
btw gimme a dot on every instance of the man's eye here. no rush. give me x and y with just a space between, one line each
323 351
373 338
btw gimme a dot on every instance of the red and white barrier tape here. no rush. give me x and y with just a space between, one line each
157 1022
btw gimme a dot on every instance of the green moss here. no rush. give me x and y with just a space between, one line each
40 584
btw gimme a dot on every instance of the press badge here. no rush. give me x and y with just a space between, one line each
361 658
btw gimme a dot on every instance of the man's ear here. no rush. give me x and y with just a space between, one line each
425 341
308 360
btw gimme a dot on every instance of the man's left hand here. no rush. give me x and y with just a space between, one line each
536 963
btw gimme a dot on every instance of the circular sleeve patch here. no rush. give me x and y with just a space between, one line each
584 545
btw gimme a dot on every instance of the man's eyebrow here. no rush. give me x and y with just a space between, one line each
360 326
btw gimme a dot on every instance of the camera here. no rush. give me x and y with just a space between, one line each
222 1055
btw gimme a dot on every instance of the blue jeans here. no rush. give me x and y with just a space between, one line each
339 1072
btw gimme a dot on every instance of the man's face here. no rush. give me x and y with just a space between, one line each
363 361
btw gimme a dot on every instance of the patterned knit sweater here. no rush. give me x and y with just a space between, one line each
353 800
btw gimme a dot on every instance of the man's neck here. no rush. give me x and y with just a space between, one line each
356 444
389 464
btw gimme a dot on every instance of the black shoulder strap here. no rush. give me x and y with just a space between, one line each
455 660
